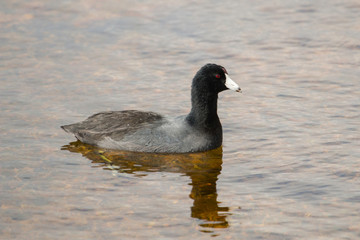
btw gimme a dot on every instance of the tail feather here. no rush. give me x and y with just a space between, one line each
67 128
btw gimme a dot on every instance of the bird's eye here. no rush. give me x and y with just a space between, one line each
217 76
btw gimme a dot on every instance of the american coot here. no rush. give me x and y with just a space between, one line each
139 131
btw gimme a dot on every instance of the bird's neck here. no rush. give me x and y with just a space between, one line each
203 109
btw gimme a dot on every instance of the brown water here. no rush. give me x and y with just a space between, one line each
289 167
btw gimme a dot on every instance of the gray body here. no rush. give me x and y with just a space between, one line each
142 132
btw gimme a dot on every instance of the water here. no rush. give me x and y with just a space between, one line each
289 166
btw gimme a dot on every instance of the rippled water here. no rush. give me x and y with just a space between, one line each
289 165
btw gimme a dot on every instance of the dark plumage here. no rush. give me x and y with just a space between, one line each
133 130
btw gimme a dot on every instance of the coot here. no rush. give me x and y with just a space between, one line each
139 131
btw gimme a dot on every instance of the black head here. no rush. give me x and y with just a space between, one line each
214 78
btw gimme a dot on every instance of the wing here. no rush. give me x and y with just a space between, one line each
114 124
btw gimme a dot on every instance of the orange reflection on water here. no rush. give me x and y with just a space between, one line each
202 168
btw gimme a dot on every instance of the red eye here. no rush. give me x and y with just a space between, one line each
217 75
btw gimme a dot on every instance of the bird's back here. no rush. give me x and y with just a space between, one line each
111 124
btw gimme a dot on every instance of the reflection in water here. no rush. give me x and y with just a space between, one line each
202 168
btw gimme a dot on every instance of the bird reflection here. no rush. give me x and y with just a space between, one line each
202 168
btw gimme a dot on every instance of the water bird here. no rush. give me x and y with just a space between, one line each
139 131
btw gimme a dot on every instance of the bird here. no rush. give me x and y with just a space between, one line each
140 131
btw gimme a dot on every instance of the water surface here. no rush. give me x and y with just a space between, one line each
289 165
